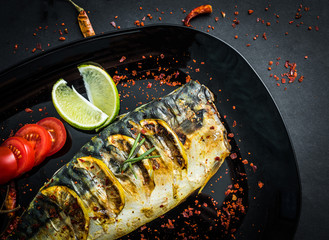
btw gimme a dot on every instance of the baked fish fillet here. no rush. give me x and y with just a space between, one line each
91 198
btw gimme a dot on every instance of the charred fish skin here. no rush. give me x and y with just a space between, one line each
91 198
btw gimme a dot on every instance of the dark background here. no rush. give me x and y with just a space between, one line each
36 24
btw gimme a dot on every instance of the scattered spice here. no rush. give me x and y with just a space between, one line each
203 9
28 110
223 14
10 201
260 184
250 11
123 58
113 24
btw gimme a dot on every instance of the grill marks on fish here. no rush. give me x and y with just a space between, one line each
63 214
143 169
161 134
105 199
112 203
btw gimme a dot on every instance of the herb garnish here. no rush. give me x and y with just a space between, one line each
131 159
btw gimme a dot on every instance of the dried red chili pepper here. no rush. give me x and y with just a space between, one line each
203 9
10 201
84 22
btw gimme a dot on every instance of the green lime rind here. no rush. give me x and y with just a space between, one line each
101 90
75 109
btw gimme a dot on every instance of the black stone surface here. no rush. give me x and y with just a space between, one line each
303 106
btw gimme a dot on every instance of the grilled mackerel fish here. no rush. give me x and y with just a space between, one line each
92 198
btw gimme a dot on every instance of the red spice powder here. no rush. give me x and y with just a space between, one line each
250 11
260 184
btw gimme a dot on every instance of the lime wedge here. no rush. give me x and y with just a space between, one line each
75 109
101 90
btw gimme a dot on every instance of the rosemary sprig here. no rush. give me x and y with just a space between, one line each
131 159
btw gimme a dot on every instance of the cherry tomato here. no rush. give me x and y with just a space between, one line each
23 152
57 132
40 139
8 165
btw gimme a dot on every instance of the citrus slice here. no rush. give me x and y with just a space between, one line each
70 216
75 109
101 90
106 193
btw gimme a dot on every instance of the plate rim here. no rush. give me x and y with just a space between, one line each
131 30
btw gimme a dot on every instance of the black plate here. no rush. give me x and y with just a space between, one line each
234 202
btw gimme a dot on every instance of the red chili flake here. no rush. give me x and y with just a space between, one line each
39 46
216 19
236 36
270 63
149 85
234 123
28 110
316 28
142 24
283 80
266 9
160 18
269 68
268 24
203 9
113 24
230 135
34 49
264 36
301 78
170 225
248 45
250 11
62 38
223 14
233 156
309 28
217 158
123 58
260 184
16 46
236 13
254 167
245 161
291 22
